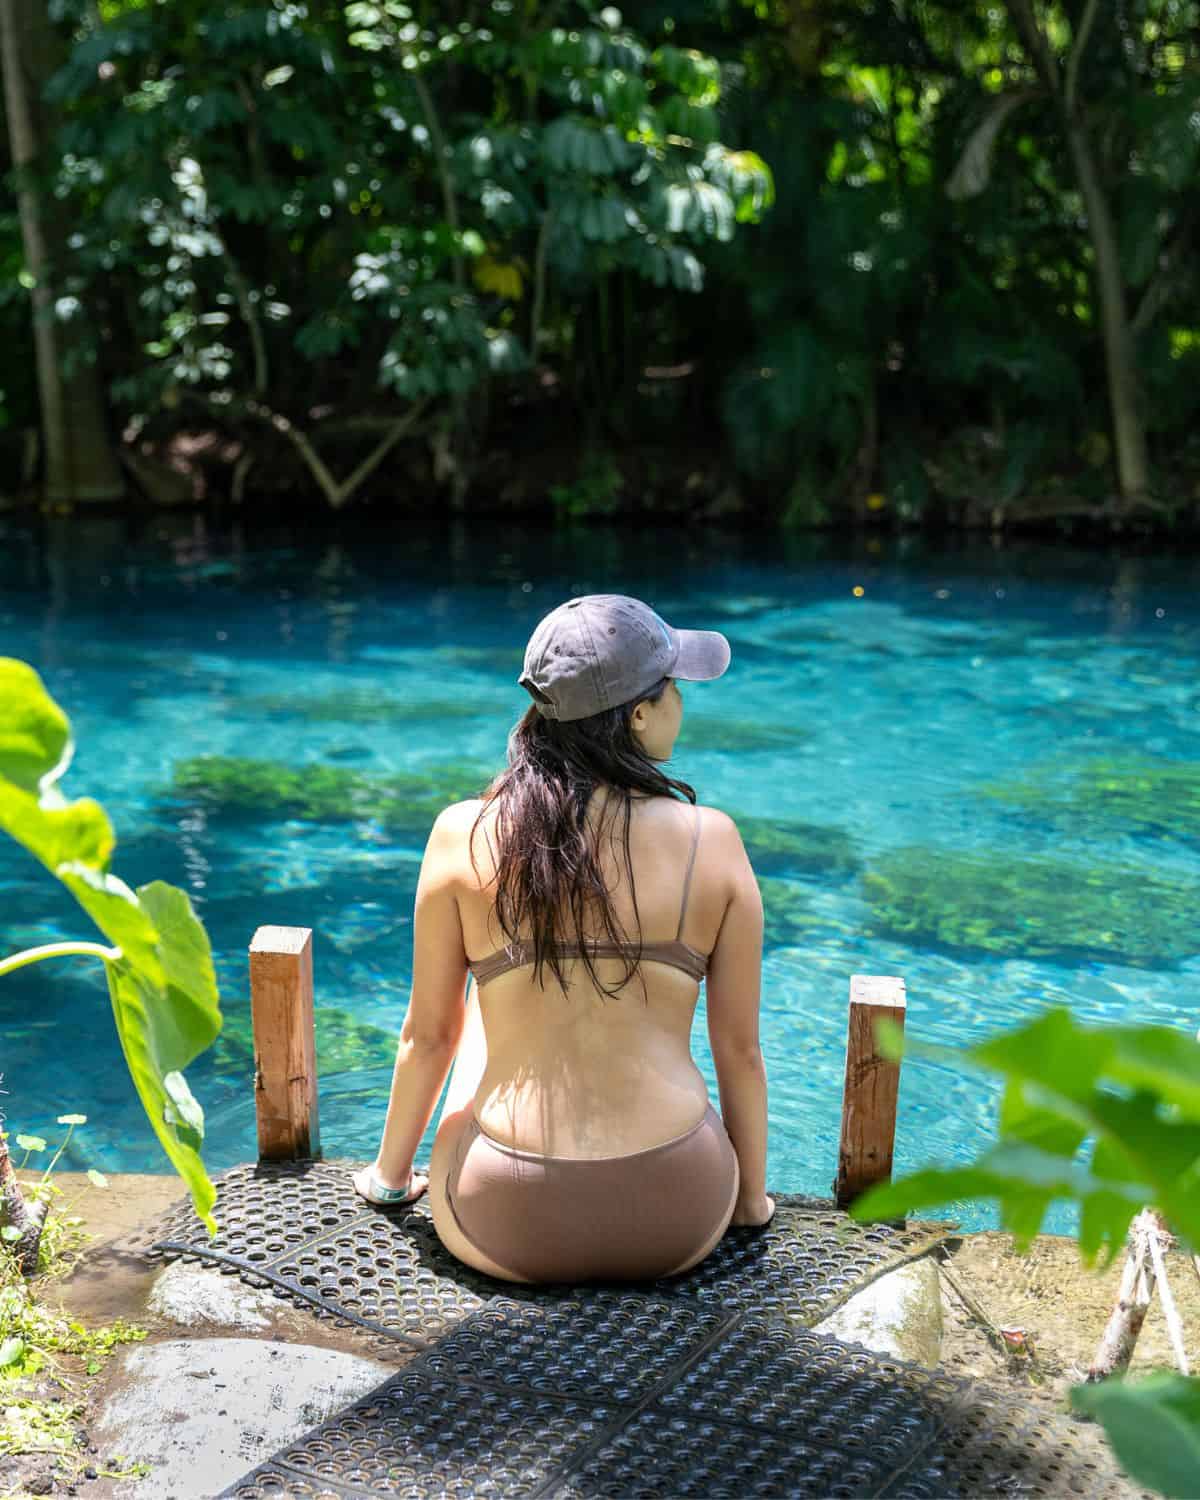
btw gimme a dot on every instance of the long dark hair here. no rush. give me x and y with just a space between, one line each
547 866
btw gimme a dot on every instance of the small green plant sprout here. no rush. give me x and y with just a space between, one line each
62 1234
157 956
1107 1117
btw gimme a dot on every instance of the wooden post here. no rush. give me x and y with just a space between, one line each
872 1084
285 1045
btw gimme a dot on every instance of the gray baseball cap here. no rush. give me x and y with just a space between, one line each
602 650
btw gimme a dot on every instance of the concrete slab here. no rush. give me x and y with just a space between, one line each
192 1296
202 1412
899 1315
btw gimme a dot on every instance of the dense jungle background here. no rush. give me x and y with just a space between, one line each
796 262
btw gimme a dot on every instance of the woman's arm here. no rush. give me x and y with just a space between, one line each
433 1025
733 984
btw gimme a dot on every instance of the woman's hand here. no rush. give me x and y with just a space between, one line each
755 1212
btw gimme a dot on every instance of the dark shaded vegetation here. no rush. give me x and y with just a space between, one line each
796 263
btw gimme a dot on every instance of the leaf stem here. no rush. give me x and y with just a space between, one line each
56 950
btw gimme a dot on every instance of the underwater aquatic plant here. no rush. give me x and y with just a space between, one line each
1032 907
404 802
798 848
1160 798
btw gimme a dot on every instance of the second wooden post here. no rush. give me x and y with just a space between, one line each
872 1086
285 1048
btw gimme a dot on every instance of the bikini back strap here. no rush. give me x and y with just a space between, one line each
687 879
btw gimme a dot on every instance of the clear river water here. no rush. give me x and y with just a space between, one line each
923 739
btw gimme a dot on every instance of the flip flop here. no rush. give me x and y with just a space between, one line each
384 1197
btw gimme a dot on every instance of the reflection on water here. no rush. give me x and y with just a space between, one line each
979 771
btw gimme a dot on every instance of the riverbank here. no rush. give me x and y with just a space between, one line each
1045 1302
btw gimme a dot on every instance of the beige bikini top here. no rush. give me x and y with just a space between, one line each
677 953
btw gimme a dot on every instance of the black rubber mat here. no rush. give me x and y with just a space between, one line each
627 1396
711 1384
300 1229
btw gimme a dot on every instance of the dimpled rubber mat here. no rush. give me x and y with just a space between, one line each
710 1384
619 1395
299 1228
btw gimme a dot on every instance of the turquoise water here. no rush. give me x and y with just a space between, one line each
888 717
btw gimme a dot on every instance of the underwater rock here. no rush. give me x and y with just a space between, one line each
1032 908
786 914
343 1043
776 848
506 661
712 732
343 753
234 786
361 705
1156 797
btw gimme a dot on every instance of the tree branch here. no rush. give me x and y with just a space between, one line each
1036 44
251 319
449 198
1158 288
539 285
337 492
1081 40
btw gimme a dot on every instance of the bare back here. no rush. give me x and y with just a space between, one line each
578 1072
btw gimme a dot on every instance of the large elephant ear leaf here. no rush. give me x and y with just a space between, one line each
191 1021
174 1115
34 732
160 976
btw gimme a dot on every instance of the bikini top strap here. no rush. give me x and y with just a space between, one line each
687 879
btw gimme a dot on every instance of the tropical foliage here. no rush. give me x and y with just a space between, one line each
1109 1117
887 261
158 961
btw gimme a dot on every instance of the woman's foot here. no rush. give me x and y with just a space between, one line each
755 1214
369 1185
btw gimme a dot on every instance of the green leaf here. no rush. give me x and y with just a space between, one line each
31 1143
97 1179
72 1119
1153 1426
1024 1179
1159 1058
34 733
10 1232
163 986
11 1351
164 1024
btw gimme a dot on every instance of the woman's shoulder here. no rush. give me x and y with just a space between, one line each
715 823
460 814
716 826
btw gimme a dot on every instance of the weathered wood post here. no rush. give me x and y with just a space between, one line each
872 1086
285 1044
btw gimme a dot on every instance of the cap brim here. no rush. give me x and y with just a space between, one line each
703 655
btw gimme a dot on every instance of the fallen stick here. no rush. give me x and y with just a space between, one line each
975 1308
1015 1344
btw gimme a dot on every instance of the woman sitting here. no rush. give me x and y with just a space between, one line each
577 1141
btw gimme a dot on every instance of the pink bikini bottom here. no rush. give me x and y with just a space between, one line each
615 1218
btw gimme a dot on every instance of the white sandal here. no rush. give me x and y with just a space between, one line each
386 1197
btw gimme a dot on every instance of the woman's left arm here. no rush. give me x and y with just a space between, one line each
433 1026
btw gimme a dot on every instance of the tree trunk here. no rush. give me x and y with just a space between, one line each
1128 424
1129 431
80 462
